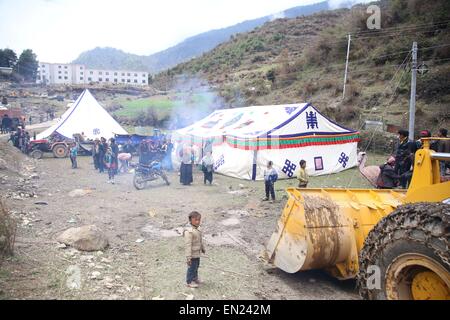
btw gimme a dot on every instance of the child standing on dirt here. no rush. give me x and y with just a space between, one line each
194 248
303 177
270 177
73 155
110 165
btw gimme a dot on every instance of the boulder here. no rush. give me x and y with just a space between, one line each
78 193
86 238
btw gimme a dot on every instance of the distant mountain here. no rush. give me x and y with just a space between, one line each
110 58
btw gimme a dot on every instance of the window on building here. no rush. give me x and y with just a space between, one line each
59 67
100 79
65 67
123 80
123 74
81 78
128 80
89 79
128 74
143 81
92 72
143 75
135 81
115 80
59 72
81 68
107 73
65 72
115 73
107 79
100 73
81 73
65 78
135 74
59 77
43 66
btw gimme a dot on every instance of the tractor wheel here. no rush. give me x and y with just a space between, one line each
60 151
407 255
36 154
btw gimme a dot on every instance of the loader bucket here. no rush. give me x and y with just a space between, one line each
326 228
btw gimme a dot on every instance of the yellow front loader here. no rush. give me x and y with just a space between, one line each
395 242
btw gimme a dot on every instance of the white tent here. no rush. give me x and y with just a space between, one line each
88 116
244 139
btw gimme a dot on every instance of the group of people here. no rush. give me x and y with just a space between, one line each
20 139
398 169
189 158
105 154
155 150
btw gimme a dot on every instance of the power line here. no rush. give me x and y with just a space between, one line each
412 26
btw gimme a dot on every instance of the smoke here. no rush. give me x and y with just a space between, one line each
337 4
279 15
193 99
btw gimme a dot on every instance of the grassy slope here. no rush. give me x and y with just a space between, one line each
307 55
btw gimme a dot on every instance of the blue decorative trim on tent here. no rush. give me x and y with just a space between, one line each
309 133
287 121
79 100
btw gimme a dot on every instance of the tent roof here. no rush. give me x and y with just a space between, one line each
260 121
88 116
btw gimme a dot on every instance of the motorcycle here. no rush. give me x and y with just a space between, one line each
143 174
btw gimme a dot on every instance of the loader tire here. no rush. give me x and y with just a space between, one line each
406 256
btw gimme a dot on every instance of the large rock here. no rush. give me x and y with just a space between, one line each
86 238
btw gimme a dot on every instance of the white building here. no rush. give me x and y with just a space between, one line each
62 73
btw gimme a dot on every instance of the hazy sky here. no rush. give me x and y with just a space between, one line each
59 30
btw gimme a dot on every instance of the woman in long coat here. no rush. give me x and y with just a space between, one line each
187 159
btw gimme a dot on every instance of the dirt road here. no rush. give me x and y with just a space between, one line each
145 259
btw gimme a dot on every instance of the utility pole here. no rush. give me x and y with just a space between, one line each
346 64
412 103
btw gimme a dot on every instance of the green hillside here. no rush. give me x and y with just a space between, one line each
303 59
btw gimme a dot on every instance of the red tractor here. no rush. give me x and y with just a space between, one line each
37 148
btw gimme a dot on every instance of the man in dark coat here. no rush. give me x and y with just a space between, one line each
444 147
404 155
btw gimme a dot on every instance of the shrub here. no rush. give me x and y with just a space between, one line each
7 231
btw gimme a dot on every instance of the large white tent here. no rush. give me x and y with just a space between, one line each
88 116
244 139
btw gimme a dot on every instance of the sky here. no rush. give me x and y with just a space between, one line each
59 30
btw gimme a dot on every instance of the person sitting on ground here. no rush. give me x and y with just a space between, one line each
388 179
73 155
193 249
303 177
270 177
208 168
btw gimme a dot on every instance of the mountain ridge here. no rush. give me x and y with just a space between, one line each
192 47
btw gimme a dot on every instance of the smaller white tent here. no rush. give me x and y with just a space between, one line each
88 116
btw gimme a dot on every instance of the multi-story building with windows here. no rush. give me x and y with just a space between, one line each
60 73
